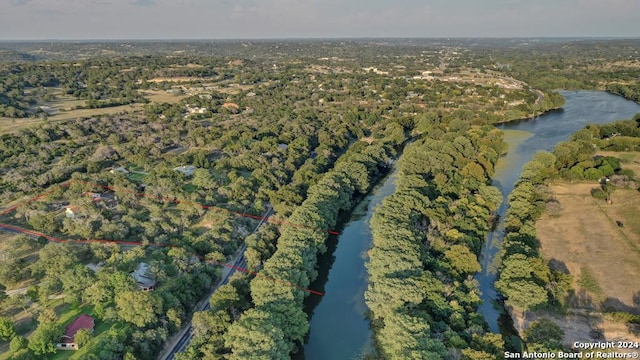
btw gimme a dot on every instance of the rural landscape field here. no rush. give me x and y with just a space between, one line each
369 198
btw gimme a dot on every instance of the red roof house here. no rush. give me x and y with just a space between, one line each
67 341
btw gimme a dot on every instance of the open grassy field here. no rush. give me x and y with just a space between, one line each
586 235
9 125
161 96
65 109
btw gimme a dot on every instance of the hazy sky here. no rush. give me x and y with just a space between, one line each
219 19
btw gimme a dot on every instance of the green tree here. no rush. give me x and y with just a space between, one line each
18 343
138 307
7 328
47 316
43 339
462 259
255 336
3 293
75 281
522 294
55 259
82 337
209 328
545 332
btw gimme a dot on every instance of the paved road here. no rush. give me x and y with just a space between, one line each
186 334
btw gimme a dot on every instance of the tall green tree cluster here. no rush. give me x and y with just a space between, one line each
631 92
277 322
575 159
426 238
525 279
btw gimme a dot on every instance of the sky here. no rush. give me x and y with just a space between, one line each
254 19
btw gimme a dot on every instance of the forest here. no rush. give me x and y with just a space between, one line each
426 239
169 154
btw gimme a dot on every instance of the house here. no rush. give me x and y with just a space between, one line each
196 110
186 169
282 146
144 278
93 195
67 341
108 200
71 211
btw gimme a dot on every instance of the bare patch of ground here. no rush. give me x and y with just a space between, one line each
185 79
161 96
9 125
586 234
580 326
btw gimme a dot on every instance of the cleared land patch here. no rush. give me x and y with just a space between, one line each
586 234
8 125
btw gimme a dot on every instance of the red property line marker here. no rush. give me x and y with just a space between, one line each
163 199
137 243
195 204
10 209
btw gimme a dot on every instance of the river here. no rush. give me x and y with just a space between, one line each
527 137
339 328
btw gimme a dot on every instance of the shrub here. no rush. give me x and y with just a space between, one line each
598 193
18 343
627 172
554 208
587 281
593 174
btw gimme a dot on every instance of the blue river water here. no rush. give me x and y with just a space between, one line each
582 108
339 328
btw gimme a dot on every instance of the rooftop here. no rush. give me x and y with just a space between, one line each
143 276
83 321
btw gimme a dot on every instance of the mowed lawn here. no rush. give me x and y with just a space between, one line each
586 234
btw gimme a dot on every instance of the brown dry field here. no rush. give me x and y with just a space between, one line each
9 125
579 326
586 234
65 106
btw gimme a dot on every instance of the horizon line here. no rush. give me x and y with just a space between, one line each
275 38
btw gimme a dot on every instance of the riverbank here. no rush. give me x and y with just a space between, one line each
581 108
342 277
503 178
546 112
572 242
580 238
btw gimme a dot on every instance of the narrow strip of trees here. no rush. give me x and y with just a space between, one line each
277 323
426 238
